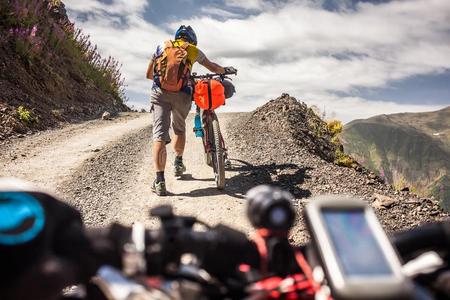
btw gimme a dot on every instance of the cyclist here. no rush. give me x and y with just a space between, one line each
176 104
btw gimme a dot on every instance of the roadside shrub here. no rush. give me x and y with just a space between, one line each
335 127
56 113
25 115
27 44
344 160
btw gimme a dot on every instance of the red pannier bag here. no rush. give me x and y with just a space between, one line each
209 94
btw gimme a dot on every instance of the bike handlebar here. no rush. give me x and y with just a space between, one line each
219 249
176 237
434 236
228 71
208 246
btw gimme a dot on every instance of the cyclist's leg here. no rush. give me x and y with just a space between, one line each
161 124
181 106
179 144
180 109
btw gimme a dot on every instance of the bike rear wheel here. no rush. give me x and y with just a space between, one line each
208 155
218 158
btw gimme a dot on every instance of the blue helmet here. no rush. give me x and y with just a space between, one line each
187 33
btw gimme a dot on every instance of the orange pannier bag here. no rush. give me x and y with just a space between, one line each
209 94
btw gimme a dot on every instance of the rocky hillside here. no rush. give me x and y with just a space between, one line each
285 143
49 71
409 150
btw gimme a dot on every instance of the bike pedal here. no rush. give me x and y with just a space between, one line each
228 164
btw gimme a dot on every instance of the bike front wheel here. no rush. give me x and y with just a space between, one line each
218 155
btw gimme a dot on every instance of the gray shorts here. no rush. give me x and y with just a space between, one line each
163 105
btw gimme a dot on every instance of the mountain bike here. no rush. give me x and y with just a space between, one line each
179 260
216 155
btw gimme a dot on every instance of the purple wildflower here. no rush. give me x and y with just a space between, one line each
33 31
37 7
17 7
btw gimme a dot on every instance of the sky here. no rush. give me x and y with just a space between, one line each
350 58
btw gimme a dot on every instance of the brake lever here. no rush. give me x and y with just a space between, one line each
425 263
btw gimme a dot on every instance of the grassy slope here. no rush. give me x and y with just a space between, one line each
53 75
405 149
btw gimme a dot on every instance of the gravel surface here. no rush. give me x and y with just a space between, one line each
105 169
95 188
50 157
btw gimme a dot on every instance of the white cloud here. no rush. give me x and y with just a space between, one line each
297 48
248 4
115 7
221 13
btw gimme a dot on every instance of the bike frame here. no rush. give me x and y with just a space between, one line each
213 143
207 117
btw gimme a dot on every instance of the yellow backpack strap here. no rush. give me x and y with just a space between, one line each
185 45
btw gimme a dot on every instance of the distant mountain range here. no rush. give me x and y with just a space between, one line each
409 150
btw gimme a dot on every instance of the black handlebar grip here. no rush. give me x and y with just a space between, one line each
229 249
230 71
434 236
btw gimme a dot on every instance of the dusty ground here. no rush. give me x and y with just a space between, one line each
50 157
105 169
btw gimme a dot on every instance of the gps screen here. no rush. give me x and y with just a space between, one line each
358 251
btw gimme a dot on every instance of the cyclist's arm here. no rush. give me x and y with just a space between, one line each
212 66
150 68
151 65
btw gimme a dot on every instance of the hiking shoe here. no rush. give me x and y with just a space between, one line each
179 168
159 188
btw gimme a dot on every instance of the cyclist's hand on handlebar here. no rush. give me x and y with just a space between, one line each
230 70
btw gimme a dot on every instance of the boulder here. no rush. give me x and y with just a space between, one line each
106 116
382 201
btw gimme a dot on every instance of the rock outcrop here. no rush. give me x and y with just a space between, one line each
284 143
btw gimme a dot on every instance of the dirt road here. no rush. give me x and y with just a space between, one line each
105 169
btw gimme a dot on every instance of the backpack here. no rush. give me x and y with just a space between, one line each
172 67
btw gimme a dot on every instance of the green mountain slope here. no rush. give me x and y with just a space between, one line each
408 150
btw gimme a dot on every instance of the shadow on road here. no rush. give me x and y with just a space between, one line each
288 176
189 177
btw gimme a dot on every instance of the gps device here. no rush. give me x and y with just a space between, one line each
356 255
